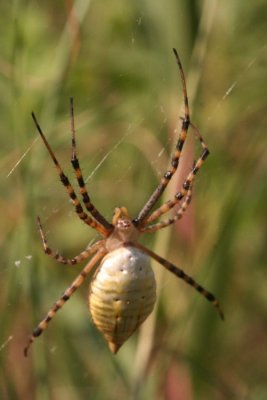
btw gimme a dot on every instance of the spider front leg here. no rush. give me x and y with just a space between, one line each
142 216
178 215
63 260
182 275
76 166
65 181
185 189
65 297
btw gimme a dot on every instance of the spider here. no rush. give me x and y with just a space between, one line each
122 292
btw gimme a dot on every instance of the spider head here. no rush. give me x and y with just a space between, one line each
124 230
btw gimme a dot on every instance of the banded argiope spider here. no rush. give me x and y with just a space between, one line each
123 291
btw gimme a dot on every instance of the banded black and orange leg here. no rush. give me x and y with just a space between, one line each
65 181
65 297
177 216
63 260
180 274
186 185
78 173
141 219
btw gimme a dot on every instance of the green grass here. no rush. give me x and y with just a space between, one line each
116 61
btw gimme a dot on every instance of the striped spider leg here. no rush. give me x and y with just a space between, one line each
63 260
65 181
140 220
144 216
180 274
75 163
185 192
66 295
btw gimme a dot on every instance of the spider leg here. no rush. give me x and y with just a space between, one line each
187 183
178 215
76 166
62 260
142 216
62 300
64 179
180 274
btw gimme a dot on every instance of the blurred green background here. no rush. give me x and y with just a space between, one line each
115 59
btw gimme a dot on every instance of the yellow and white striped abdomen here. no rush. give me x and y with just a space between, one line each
122 294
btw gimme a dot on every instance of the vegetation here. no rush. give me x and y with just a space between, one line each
115 58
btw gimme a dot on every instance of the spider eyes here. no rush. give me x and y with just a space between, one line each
124 223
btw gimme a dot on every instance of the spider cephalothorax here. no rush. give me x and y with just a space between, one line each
123 290
124 230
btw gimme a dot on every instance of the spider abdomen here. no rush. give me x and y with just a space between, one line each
122 294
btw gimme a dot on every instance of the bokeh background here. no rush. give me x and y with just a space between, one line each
114 57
